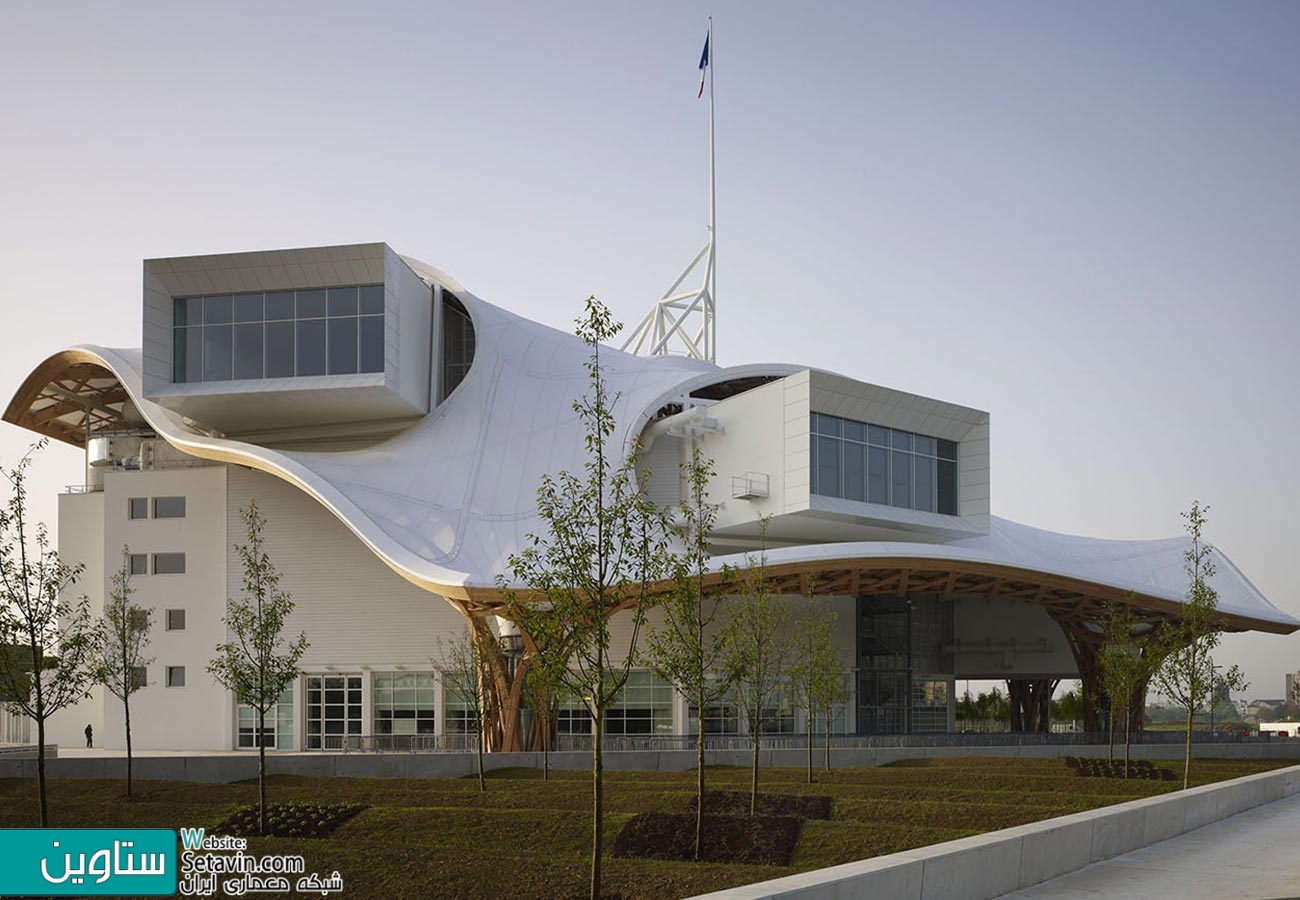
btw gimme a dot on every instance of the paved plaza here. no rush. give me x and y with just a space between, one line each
1250 856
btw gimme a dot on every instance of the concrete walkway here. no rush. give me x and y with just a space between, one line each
1250 856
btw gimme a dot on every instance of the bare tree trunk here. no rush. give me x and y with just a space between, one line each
1187 757
828 740
699 775
126 709
40 769
753 775
810 747
1127 738
597 802
261 772
482 785
1110 734
546 748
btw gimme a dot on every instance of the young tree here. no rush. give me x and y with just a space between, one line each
48 642
816 671
688 648
466 673
122 663
1127 658
259 663
1187 672
757 655
605 545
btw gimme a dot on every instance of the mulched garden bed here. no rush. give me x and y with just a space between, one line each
736 803
290 820
752 840
1086 767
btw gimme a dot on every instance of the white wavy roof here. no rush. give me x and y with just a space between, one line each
446 501
1151 568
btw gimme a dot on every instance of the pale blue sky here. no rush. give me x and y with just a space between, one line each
1081 218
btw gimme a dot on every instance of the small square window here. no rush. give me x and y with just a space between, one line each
175 620
169 507
137 508
139 677
139 564
169 563
176 676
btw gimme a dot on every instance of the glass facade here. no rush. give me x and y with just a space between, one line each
324 331
405 702
278 723
903 668
874 464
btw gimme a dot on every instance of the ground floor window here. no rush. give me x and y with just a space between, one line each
405 703
333 710
572 717
278 723
644 706
460 712
929 705
722 717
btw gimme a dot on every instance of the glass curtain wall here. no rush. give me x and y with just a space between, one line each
281 334
874 464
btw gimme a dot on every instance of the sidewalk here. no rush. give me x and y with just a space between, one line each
1251 856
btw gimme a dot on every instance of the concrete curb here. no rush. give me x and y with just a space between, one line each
997 863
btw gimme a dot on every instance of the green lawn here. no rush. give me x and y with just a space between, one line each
527 839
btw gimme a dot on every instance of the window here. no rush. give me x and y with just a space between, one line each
457 343
176 676
644 706
461 714
137 508
139 563
169 563
333 710
277 724
280 334
175 620
858 461
169 507
139 677
405 703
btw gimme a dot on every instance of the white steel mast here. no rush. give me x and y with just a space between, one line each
682 322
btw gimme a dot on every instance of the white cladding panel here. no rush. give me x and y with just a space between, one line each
81 542
193 716
354 609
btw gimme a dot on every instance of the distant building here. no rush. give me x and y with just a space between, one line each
1292 679
393 429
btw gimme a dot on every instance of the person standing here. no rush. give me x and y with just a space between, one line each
90 736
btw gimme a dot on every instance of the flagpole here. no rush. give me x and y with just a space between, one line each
712 281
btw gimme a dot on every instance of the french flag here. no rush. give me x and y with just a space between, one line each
704 65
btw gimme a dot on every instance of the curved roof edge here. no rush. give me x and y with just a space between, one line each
404 528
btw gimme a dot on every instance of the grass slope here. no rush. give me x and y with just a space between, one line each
526 839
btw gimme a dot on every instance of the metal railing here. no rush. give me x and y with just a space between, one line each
462 743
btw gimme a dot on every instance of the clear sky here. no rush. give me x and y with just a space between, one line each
1083 218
